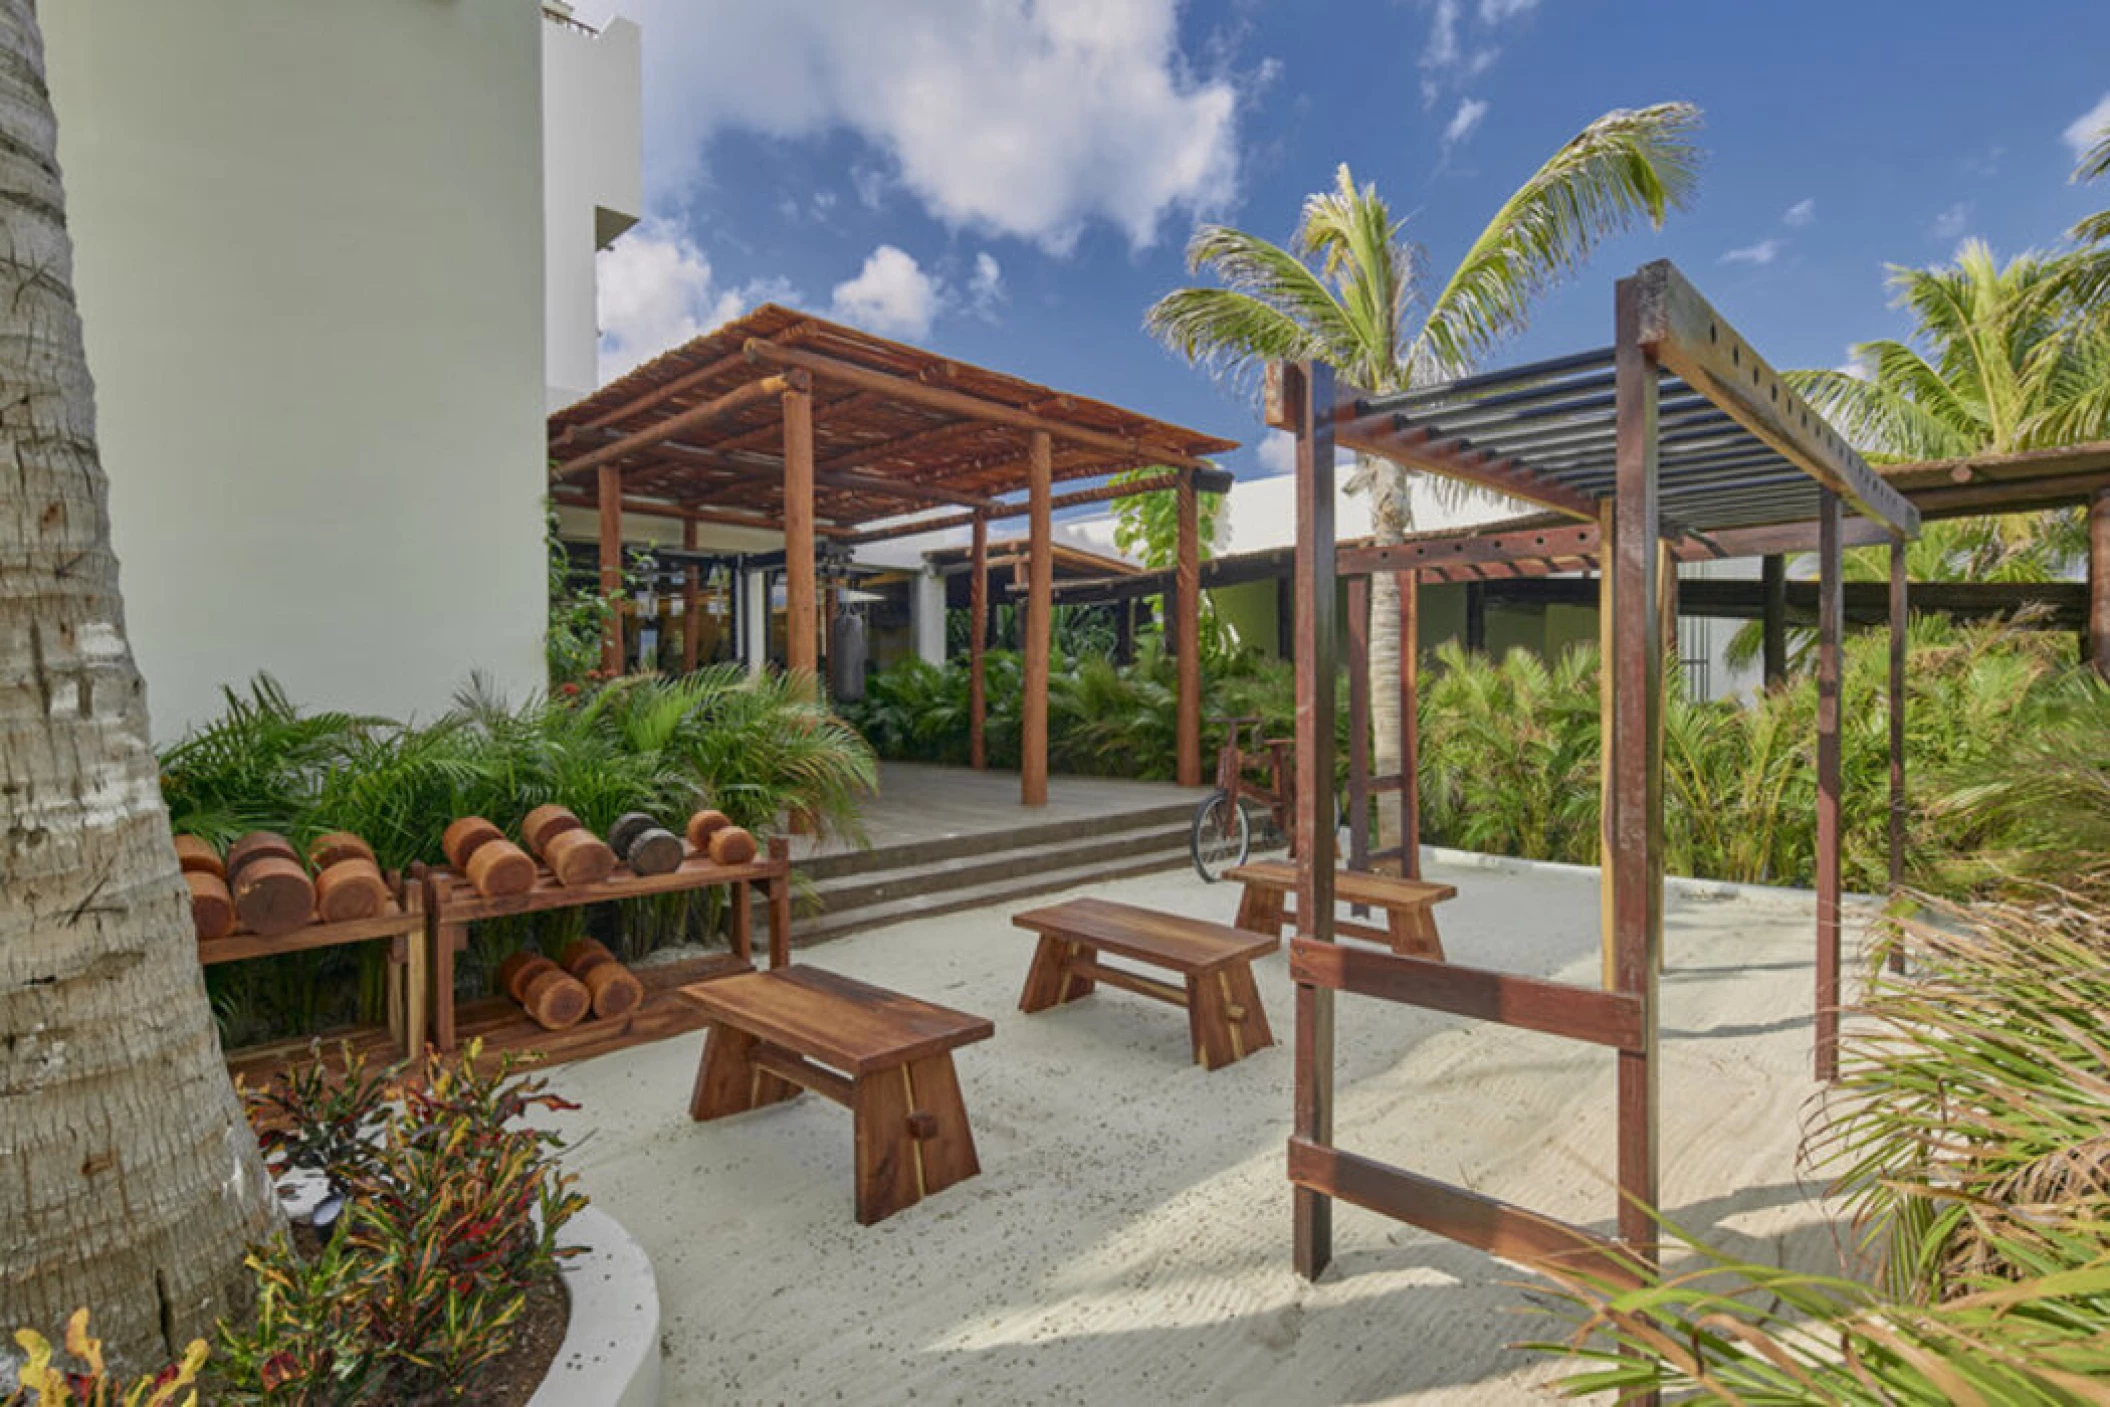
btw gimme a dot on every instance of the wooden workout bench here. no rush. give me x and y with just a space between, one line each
1409 905
1225 1020
772 1033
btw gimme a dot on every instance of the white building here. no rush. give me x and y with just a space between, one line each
311 264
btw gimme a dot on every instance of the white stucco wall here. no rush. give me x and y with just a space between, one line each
310 267
593 183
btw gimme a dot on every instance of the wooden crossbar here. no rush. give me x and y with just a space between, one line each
1499 1228
1127 981
1612 1019
802 1072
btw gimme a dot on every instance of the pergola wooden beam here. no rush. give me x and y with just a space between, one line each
962 404
750 465
1685 335
722 517
1187 627
978 646
1211 480
1381 434
731 403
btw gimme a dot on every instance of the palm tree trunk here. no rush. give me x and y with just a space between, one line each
1391 517
129 1181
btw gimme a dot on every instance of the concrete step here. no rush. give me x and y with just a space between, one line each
882 885
938 849
1142 853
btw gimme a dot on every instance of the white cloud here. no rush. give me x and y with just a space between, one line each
985 286
657 291
1951 223
1448 61
2089 128
891 295
1463 122
1027 120
1801 214
1853 365
1276 453
1760 254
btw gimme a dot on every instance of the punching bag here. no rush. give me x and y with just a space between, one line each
846 658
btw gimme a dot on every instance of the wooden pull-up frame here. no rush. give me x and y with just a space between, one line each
1663 329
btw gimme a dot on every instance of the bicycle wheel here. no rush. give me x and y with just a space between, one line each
1221 836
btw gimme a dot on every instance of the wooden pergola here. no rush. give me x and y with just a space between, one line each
1676 442
787 422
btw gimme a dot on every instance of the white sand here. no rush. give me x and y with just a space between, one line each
1128 1240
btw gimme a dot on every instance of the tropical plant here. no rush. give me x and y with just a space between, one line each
453 1219
1348 288
1967 1135
43 1382
133 1184
1147 526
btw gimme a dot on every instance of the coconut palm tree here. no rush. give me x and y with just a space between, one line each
2001 358
129 1179
1352 290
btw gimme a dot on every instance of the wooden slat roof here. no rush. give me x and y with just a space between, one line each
861 434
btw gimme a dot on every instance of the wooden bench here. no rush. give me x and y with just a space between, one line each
1225 1020
774 1033
1408 904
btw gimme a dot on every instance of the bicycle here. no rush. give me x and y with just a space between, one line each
1222 836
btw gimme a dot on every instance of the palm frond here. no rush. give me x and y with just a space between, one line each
1888 415
1627 167
1272 306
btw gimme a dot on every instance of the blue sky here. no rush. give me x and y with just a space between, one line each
1013 183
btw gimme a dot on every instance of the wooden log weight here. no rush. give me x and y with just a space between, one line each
211 906
498 868
732 846
195 855
255 846
464 836
643 844
614 988
272 894
350 889
545 823
327 850
552 997
577 857
705 824
627 828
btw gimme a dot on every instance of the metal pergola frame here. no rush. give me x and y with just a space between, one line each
1677 439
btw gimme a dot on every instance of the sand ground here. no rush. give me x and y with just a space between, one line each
1128 1239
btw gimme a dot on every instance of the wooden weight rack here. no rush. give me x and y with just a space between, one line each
409 996
452 904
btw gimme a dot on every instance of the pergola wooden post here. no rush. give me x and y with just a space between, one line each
1409 724
978 646
1305 394
1634 678
1831 617
1188 632
2099 581
610 485
1773 572
1040 625
801 606
1899 590
691 602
